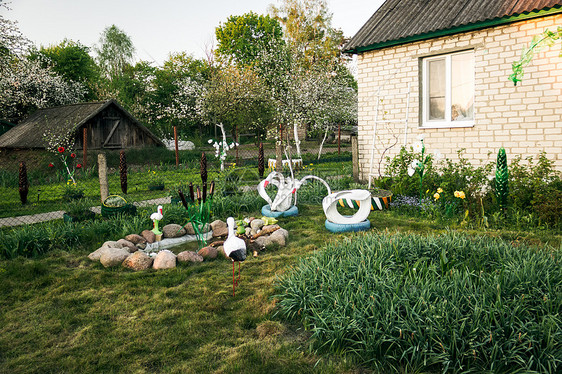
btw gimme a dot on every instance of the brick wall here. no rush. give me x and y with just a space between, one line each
525 119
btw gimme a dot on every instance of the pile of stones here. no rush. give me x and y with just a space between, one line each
141 252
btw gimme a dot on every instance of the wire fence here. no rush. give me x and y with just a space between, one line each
153 177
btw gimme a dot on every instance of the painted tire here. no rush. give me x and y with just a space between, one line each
291 212
339 227
377 203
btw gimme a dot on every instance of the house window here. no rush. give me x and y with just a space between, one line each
448 90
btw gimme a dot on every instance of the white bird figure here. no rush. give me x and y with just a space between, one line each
235 249
330 202
286 189
155 217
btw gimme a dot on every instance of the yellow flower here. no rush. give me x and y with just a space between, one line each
436 196
456 193
460 194
439 190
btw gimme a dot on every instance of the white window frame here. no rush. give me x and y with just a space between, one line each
447 122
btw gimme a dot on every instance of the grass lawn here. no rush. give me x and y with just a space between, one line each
64 313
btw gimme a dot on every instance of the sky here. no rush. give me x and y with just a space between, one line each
156 27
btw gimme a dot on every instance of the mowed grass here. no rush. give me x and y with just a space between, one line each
63 313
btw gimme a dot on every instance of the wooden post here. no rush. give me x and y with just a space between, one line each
278 157
84 147
176 146
355 157
339 138
102 171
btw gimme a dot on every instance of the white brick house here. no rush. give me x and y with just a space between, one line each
456 57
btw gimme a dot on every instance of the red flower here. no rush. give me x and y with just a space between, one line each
61 149
51 164
78 166
73 155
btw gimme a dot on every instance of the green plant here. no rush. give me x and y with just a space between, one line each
79 209
502 179
410 303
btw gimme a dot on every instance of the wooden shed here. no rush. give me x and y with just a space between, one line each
108 125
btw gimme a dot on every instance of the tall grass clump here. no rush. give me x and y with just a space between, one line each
454 302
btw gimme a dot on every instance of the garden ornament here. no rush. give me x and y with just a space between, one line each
362 197
156 217
235 249
287 187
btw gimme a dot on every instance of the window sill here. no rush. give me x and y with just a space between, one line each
446 125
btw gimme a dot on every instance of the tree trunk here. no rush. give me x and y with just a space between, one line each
322 144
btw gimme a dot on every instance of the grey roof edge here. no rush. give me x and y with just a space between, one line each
557 9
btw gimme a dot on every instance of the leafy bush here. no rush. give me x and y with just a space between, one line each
407 303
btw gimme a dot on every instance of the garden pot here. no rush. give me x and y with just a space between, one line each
380 199
108 211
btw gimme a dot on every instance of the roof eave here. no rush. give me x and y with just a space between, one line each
455 30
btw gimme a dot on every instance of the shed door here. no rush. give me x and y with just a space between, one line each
111 133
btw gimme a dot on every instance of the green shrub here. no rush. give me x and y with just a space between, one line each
407 303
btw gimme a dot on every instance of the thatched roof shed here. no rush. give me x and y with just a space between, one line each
108 125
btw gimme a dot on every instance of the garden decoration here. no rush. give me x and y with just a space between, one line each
222 147
115 204
157 217
123 171
235 249
502 179
335 222
198 211
419 165
23 183
261 160
283 204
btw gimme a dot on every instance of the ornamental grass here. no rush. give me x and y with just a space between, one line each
449 303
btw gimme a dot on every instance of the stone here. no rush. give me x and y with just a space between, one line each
127 245
189 256
248 231
112 244
220 250
95 255
190 231
277 237
135 239
148 236
263 241
257 224
219 228
138 261
164 260
253 232
283 232
173 231
113 257
208 253
141 246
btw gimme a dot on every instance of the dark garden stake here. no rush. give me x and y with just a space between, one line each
502 179
261 161
123 171
203 165
23 183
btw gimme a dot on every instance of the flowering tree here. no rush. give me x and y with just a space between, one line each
26 85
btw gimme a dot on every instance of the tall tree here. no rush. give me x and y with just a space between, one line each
72 61
116 50
308 30
241 38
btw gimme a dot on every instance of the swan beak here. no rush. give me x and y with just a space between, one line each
294 190
265 183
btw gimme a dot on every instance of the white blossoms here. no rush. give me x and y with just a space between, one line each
221 153
412 167
418 147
